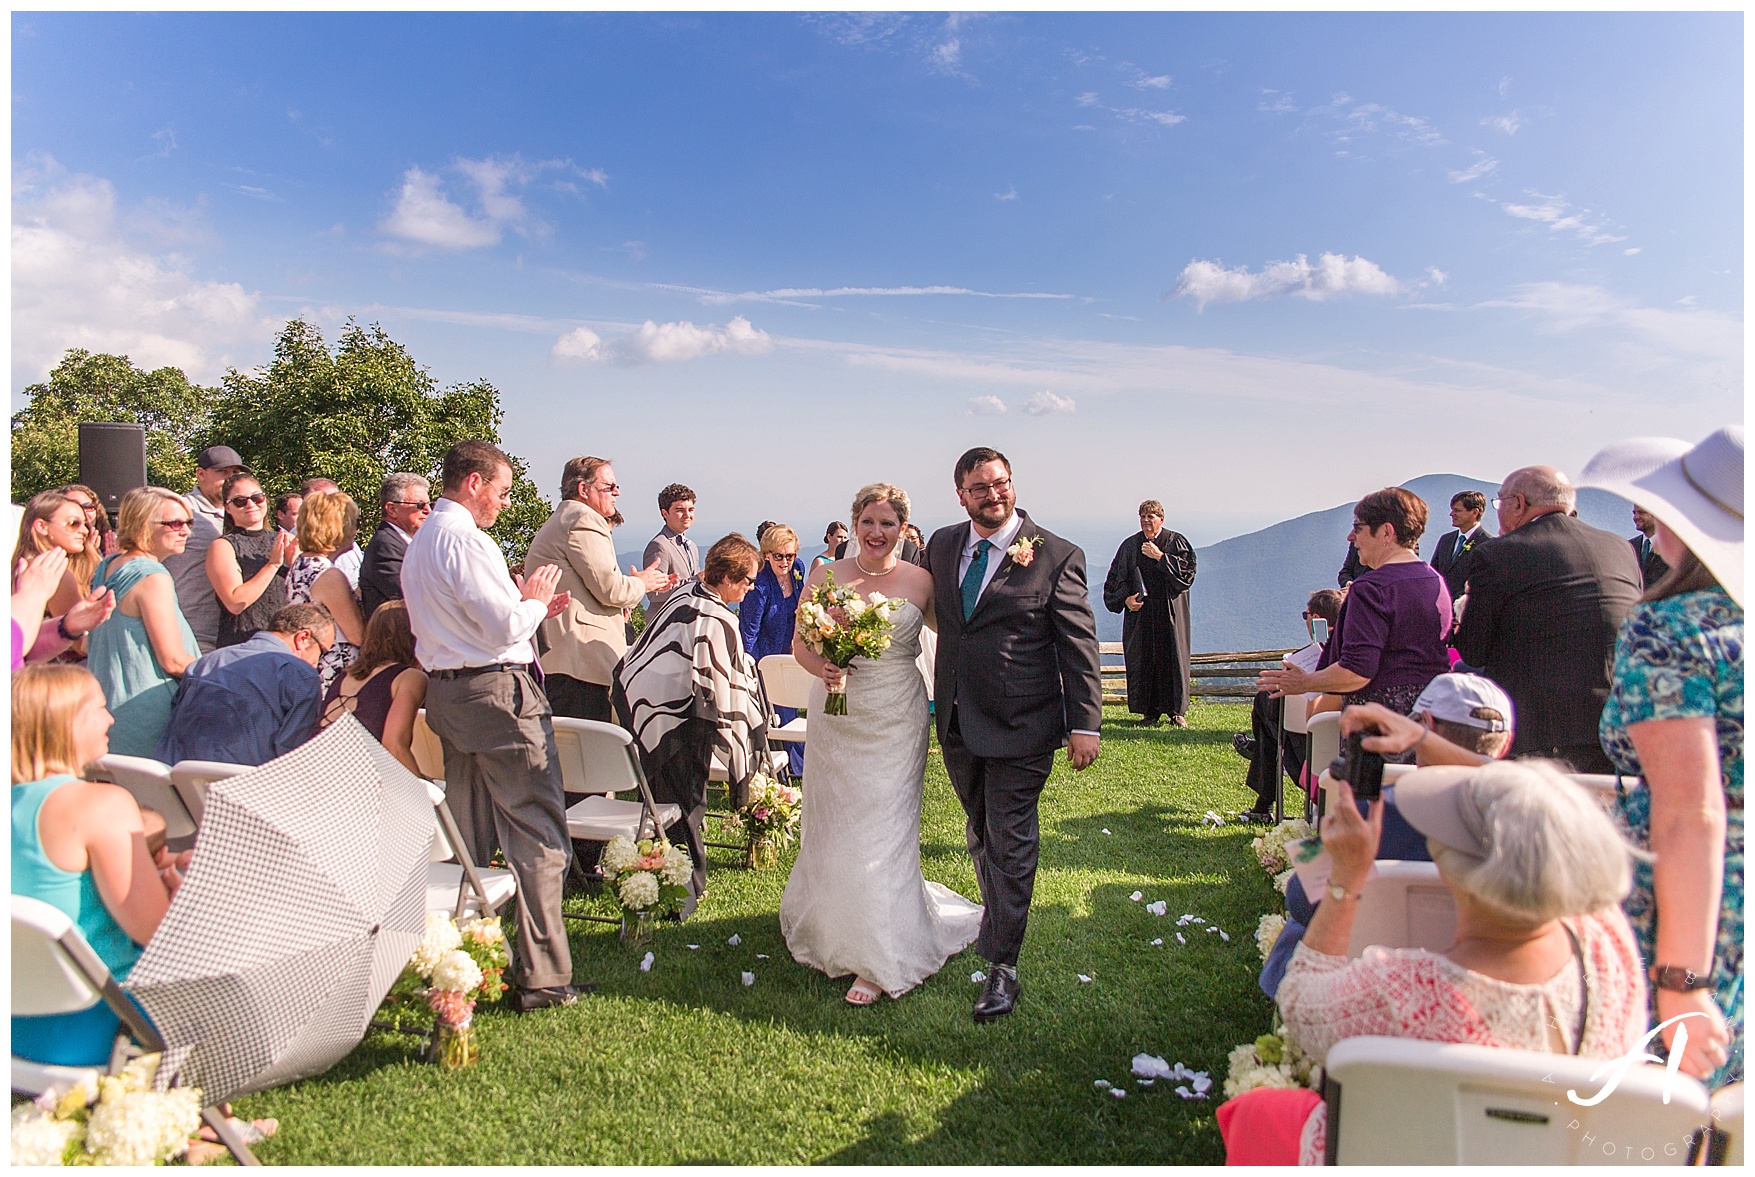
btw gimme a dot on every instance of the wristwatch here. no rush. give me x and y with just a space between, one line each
1338 892
1678 979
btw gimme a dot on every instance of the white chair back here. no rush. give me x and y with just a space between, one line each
1406 1102
191 777
442 850
46 979
429 754
1325 739
149 781
1405 905
595 757
1297 714
1727 1119
786 683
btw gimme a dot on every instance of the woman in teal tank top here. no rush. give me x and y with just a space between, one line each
79 846
141 651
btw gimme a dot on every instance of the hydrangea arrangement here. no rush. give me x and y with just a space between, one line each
1267 933
452 968
1273 1060
648 876
122 1121
1270 848
840 625
768 820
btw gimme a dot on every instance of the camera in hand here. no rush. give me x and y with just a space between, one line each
1361 769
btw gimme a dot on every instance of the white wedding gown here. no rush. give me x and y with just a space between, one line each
856 902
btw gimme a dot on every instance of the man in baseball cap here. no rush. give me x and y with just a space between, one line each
195 595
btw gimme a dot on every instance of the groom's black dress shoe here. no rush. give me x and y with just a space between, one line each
1000 995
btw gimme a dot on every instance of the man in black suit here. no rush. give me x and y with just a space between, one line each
1546 601
1455 552
1016 676
406 501
1651 565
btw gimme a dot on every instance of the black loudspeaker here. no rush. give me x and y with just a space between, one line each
112 459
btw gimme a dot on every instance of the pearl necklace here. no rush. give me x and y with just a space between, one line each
857 564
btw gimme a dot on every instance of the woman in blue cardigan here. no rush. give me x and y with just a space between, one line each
767 613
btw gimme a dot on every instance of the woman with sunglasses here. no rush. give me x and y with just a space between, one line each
769 612
97 520
52 520
248 566
141 651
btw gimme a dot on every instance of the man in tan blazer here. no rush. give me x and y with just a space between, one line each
587 639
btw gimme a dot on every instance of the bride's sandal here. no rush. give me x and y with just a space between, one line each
863 992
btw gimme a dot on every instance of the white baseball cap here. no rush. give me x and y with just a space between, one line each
1457 698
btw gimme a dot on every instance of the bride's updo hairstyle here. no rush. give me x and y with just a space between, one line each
881 492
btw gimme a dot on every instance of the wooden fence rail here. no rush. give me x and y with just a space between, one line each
1216 676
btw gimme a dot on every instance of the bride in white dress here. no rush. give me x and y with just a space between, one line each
856 902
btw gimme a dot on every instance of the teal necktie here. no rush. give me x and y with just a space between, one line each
972 579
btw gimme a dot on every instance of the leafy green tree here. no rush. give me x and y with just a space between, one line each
87 387
357 414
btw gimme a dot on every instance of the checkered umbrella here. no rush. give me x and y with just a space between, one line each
305 898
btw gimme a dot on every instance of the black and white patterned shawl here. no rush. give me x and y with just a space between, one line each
689 663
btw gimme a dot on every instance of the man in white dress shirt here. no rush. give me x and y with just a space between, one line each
472 627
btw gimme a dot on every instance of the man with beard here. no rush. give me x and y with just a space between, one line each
1149 581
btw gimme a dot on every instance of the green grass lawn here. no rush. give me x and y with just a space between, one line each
686 1065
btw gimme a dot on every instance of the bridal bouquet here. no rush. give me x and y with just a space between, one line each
840 625
769 820
648 877
120 1121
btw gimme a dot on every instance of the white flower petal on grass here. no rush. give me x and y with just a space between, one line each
1158 908
1180 939
1210 928
761 956
1202 1081
1150 1066
1147 1082
735 940
1137 896
1157 942
749 979
1118 1092
1106 832
1195 919
692 947
1084 979
1224 935
646 963
1102 1084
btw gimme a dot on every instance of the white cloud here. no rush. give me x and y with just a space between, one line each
1088 98
1631 250
947 54
1280 105
986 406
1475 170
1132 114
166 138
1505 123
791 295
81 277
1564 307
1161 82
1011 193
1046 402
661 343
426 216
1561 217
1333 273
1436 276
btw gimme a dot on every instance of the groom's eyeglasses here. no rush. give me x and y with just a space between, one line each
980 490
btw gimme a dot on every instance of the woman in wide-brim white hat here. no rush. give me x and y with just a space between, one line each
1674 716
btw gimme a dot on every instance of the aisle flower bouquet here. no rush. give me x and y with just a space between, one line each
1273 1060
840 625
452 968
649 878
769 820
1270 848
120 1121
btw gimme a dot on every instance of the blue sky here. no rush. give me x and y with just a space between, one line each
1249 264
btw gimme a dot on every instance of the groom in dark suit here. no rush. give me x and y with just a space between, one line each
1016 677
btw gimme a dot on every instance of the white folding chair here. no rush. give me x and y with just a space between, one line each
454 882
1400 1101
1405 905
149 781
787 684
190 779
1602 786
1324 729
429 754
599 760
54 971
1726 1142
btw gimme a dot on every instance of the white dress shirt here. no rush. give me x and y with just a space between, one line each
1001 540
462 604
349 562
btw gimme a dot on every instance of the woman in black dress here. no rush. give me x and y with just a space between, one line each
384 688
248 567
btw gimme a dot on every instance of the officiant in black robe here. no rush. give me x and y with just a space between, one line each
1148 584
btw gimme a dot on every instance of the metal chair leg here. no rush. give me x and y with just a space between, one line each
229 1136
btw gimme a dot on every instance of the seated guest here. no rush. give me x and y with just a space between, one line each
140 652
689 690
53 520
1458 719
1390 638
327 523
247 565
79 846
385 687
1543 959
97 520
37 637
248 703
1266 714
768 615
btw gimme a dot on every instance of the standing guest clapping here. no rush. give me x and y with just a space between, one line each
768 613
671 549
248 566
141 651
587 639
473 627
188 567
327 523
405 501
1148 585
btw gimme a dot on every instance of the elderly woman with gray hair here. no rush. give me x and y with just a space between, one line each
1543 959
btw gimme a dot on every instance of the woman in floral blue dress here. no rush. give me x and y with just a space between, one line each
1674 717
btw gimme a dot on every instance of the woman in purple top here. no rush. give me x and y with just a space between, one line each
1390 639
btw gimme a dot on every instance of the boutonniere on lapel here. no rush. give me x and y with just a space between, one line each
1467 544
1024 551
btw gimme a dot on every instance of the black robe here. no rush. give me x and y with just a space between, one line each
1155 639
